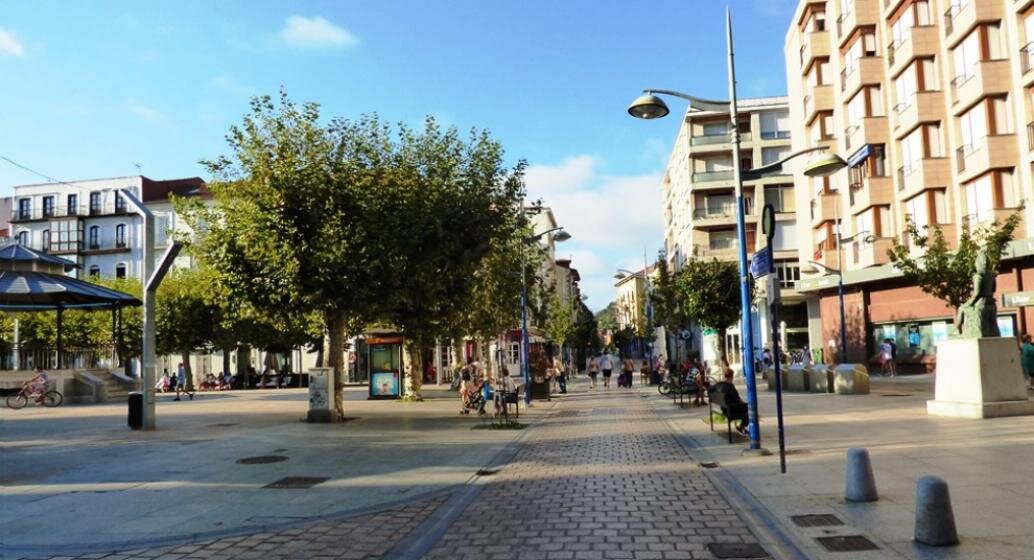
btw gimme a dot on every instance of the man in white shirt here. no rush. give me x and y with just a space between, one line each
607 365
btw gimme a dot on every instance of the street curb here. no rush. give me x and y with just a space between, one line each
470 486
759 519
424 536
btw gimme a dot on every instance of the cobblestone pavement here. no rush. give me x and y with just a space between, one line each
601 478
356 538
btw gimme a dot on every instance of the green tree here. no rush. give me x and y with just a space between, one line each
560 323
664 298
184 318
942 272
606 318
709 291
299 222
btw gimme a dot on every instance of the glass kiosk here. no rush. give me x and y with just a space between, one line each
385 362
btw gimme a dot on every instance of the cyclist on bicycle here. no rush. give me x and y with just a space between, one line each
37 385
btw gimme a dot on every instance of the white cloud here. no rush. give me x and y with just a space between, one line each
315 32
146 113
612 219
230 84
9 44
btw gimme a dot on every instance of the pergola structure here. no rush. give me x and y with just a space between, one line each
34 281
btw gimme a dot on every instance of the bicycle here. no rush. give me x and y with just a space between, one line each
48 399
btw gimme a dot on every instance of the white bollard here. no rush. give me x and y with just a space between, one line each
860 484
935 521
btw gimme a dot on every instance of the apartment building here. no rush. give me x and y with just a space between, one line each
700 203
89 222
930 102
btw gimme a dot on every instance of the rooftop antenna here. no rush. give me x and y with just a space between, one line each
138 168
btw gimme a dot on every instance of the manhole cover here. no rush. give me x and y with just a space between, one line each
607 411
709 465
297 482
486 472
262 459
895 394
816 520
850 543
737 550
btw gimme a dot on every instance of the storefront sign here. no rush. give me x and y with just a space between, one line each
1017 299
860 156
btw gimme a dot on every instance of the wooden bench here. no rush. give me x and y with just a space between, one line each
731 411
680 388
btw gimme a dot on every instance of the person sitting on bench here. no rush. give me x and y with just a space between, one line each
736 408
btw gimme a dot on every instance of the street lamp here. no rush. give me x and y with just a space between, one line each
839 271
650 106
525 372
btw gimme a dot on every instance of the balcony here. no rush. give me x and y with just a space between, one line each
923 174
867 70
723 253
991 152
960 20
919 41
816 45
714 143
106 247
998 215
873 253
872 191
1027 64
820 99
988 77
871 130
724 216
923 107
863 12
824 208
827 256
699 179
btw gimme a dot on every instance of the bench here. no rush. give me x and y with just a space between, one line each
512 397
737 410
681 388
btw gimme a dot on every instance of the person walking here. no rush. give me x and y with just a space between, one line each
1027 359
607 365
626 371
181 383
594 370
886 358
561 374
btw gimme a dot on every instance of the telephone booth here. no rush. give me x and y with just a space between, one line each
384 360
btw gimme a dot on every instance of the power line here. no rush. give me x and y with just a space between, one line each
37 173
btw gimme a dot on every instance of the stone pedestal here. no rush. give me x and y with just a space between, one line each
979 378
797 379
820 379
770 377
850 379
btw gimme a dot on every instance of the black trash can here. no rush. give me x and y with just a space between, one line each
136 410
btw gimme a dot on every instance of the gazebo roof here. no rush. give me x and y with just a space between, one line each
36 291
20 257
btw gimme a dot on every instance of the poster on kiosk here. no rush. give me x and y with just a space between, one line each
385 362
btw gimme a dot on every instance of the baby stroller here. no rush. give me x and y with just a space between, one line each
625 379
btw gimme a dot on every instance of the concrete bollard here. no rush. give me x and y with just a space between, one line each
935 521
860 484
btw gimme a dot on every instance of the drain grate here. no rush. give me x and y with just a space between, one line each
737 550
297 482
486 472
849 543
816 520
709 465
895 394
229 425
262 460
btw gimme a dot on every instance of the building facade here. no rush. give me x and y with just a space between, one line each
930 102
700 204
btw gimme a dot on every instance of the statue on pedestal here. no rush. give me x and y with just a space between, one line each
978 317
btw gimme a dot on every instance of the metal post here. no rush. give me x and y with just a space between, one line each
525 374
746 329
149 356
840 291
774 319
60 312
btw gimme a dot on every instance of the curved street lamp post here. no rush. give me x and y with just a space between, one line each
525 372
649 106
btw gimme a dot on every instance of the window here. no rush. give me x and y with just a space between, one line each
48 206
95 237
73 204
775 124
95 271
818 74
989 192
781 197
722 240
720 204
912 150
785 237
772 155
120 203
716 129
161 229
68 235
46 241
866 103
928 208
95 203
23 238
788 272
120 235
120 270
905 87
973 128
24 208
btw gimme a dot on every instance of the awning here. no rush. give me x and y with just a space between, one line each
860 156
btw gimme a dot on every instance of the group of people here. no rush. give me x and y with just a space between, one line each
476 389
178 383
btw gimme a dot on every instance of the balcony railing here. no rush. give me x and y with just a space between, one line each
42 213
1030 136
890 50
902 171
840 23
727 211
853 188
843 76
956 83
1025 53
960 156
774 134
712 176
949 18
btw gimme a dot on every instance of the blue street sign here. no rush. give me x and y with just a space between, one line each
761 264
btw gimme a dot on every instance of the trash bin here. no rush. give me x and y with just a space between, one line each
136 410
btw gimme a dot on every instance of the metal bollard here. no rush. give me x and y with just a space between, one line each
860 485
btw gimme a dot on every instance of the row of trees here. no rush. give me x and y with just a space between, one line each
356 223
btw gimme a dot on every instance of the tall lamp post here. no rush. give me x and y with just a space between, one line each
649 106
525 372
839 271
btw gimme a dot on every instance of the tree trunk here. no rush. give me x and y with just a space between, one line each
414 376
335 323
226 361
459 360
185 356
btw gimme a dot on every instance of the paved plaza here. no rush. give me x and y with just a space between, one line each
597 474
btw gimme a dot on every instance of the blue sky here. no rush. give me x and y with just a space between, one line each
88 89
